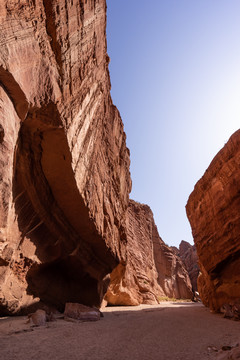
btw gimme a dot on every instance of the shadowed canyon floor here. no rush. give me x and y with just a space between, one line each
183 331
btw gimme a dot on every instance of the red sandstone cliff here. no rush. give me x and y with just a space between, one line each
188 255
64 165
172 275
65 223
151 270
213 212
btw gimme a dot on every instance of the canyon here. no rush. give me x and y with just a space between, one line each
68 231
84 261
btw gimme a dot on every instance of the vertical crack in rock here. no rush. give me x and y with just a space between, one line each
52 32
1 133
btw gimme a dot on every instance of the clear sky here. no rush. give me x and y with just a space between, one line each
175 74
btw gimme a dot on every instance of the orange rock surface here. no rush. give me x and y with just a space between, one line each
65 223
188 255
64 165
213 212
151 269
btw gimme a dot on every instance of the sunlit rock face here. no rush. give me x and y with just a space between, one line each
151 270
188 255
172 274
213 212
64 165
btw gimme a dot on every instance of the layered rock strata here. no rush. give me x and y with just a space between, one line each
213 212
151 270
65 222
64 165
188 255
172 274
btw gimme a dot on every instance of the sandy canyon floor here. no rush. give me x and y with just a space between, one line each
182 331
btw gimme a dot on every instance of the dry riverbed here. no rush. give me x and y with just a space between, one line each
179 331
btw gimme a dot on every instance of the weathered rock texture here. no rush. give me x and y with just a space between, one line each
65 223
229 352
188 255
81 312
64 165
213 212
172 275
39 318
151 270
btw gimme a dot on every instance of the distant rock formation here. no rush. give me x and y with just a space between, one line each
188 255
151 270
172 275
213 212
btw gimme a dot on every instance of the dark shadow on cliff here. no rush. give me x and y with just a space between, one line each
68 259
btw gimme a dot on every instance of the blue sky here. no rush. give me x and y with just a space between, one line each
175 74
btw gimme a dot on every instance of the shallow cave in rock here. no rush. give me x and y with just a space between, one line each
62 281
69 257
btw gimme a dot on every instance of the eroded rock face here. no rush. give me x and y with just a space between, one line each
188 255
65 223
213 212
64 165
151 269
172 274
134 281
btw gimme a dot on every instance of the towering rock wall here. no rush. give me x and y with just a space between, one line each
213 212
64 165
65 223
151 270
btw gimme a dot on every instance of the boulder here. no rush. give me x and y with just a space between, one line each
81 312
229 353
39 318
231 311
